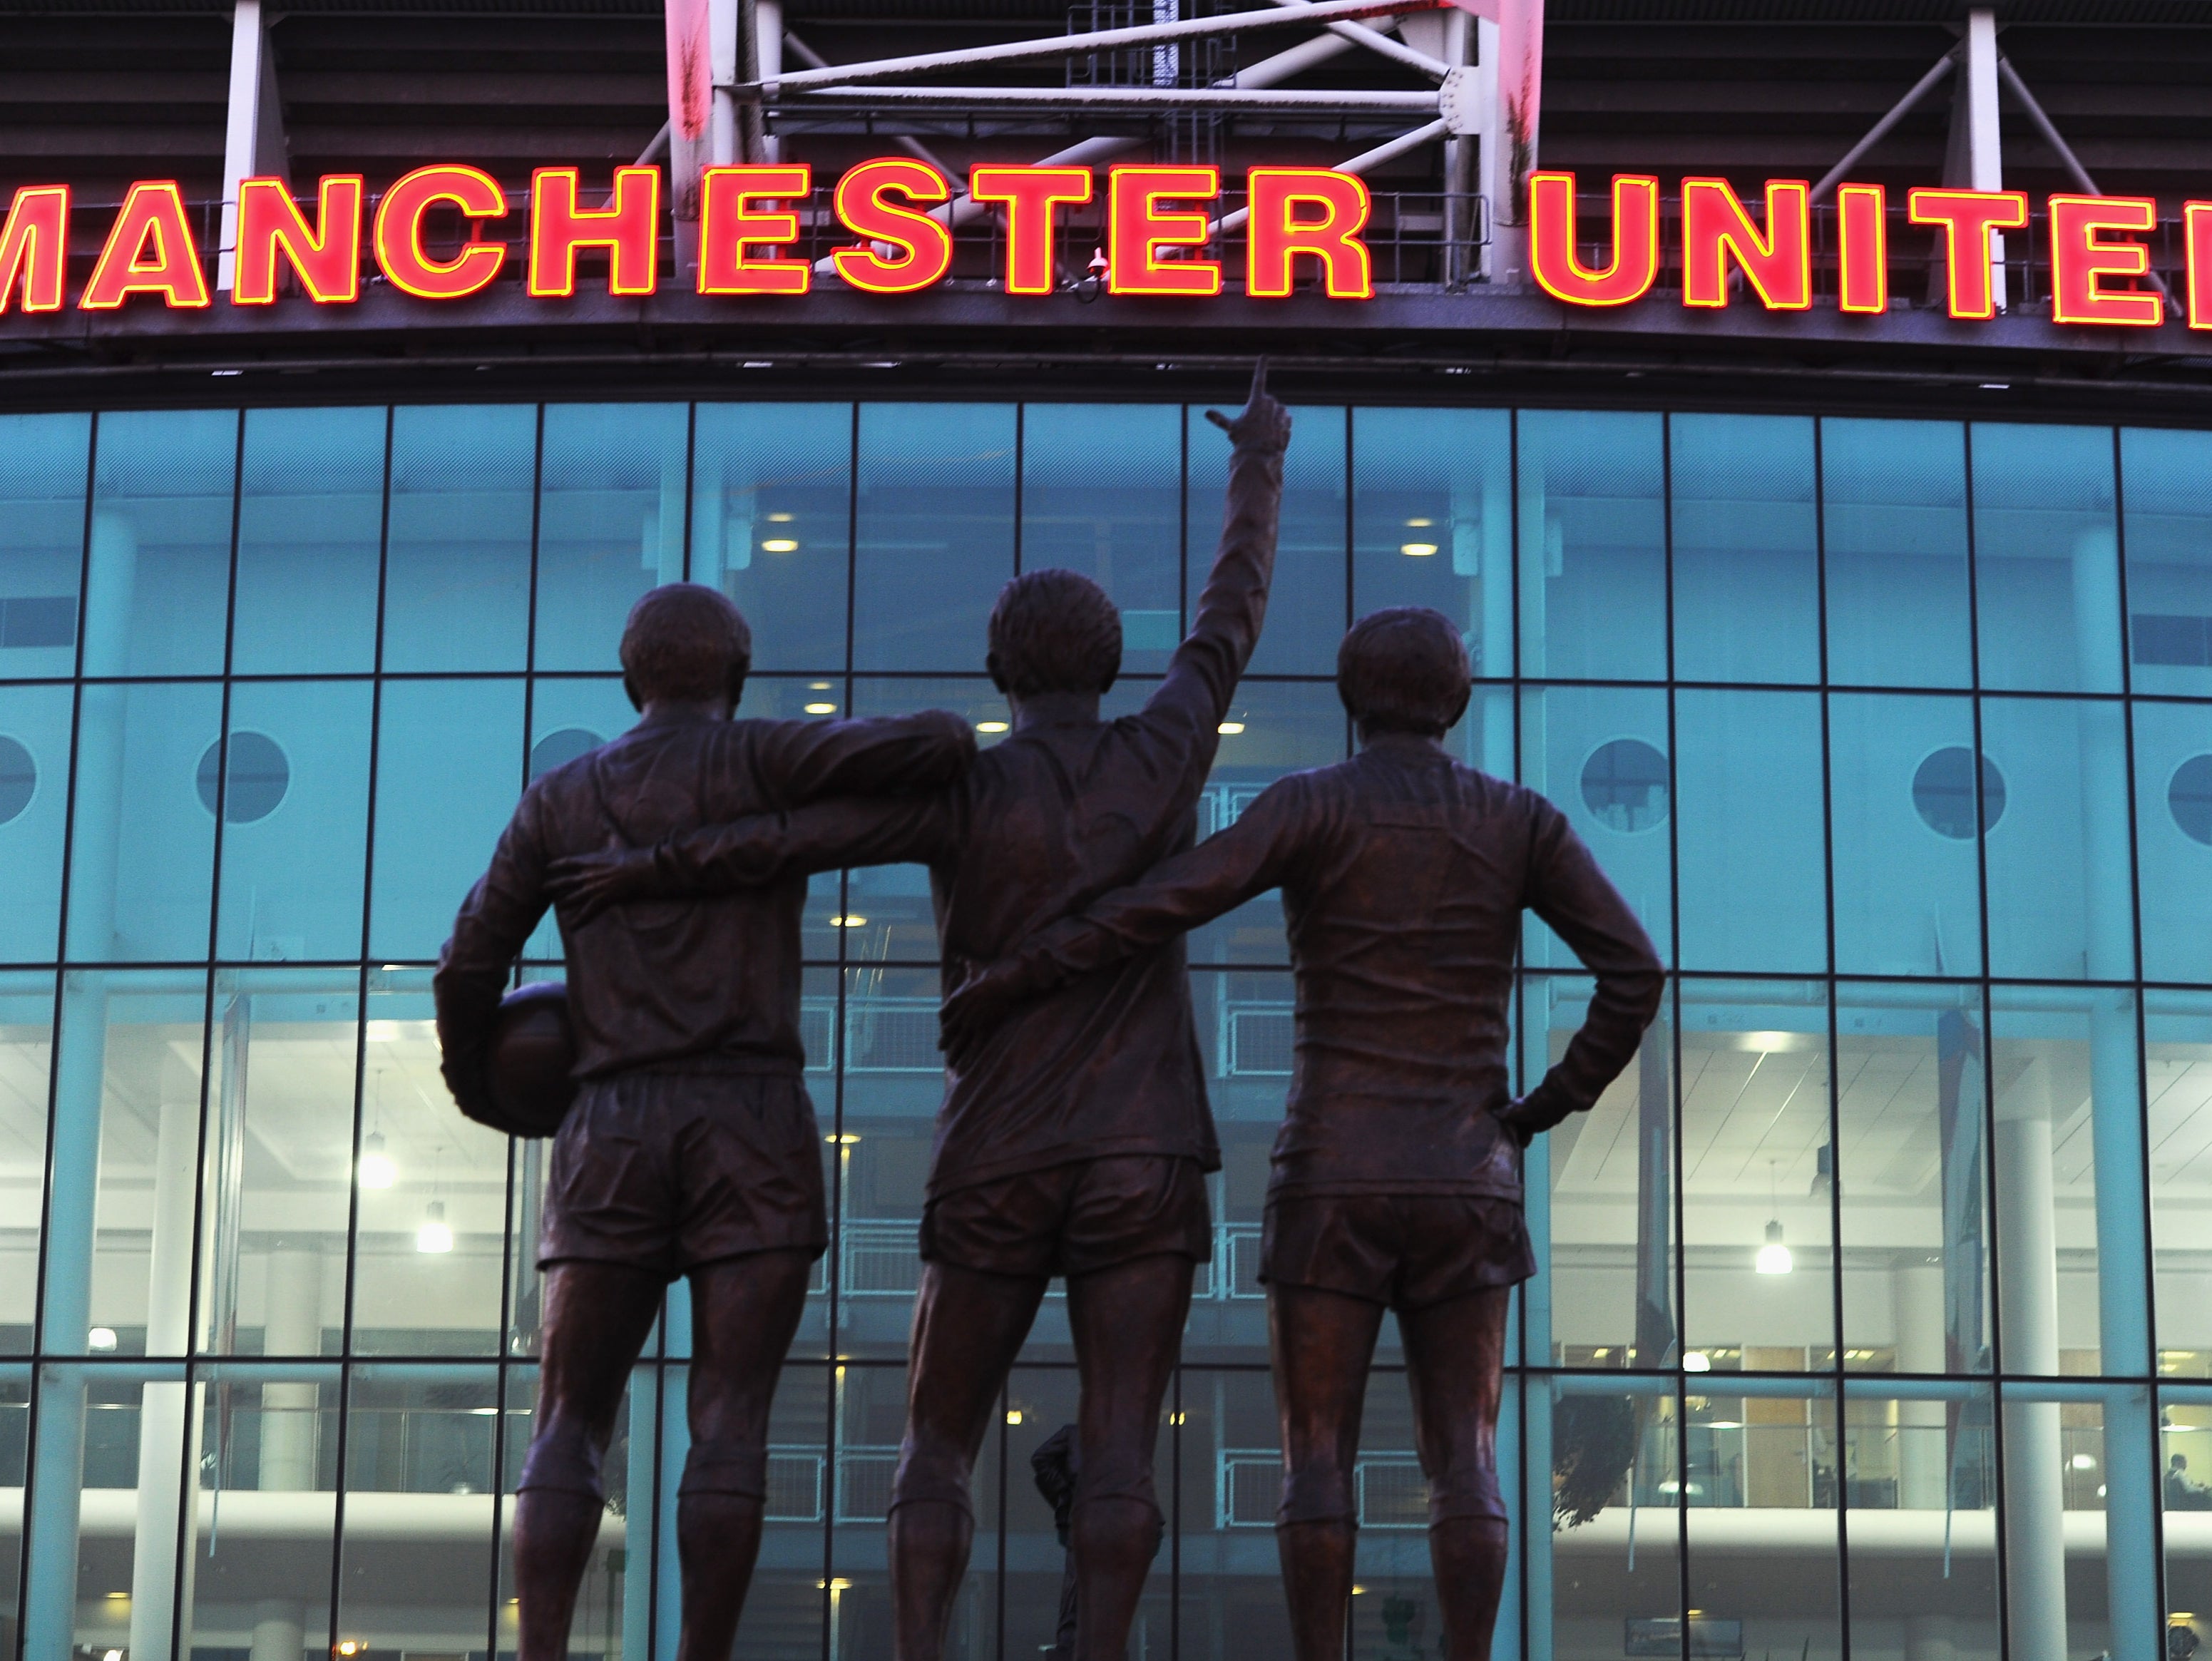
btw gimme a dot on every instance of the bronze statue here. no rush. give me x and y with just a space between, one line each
1397 1174
691 1148
1072 1141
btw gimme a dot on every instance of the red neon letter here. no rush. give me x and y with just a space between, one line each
149 251
1029 195
923 242
34 246
2196 224
1778 264
2080 259
399 234
1275 236
1552 258
728 226
1861 249
1967 218
1136 227
629 230
327 258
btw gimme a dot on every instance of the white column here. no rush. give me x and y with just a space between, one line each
1923 1457
292 1326
2027 1302
164 1419
767 33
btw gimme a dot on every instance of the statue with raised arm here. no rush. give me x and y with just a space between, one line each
1074 1140
691 1148
1397 1174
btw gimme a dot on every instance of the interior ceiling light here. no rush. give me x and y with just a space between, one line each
377 1170
1773 1257
436 1234
1417 550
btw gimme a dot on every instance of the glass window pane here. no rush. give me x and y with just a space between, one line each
1101 493
2177 1081
1911 1170
159 585
125 1154
2173 839
26 1030
1746 559
2070 1452
279 1161
2057 854
421 1442
1759 1294
1748 836
2068 1146
310 534
1306 612
2046 558
296 820
144 838
894 1080
2165 489
1601 1179
935 538
2185 1454
770 517
1432 521
1764 1565
1593 547
34 754
266 1430
457 569
449 770
1600 755
1230 1474
1893 501
1600 1592
42 484
1903 801
427 1260
1922 1570
611 523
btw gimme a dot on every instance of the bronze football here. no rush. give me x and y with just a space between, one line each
532 1053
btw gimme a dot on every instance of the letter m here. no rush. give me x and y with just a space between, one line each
34 247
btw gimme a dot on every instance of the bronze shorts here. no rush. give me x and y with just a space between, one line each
1404 1251
1073 1219
665 1172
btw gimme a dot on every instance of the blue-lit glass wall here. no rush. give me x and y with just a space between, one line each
1937 1057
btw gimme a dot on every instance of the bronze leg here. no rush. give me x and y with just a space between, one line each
1454 1360
745 1311
967 1328
596 1315
1322 1343
1128 1323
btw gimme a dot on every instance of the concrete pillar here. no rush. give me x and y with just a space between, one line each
2027 1302
254 129
1974 158
164 1419
292 1325
58 1462
1923 1464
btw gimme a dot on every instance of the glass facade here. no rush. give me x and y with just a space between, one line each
1876 1310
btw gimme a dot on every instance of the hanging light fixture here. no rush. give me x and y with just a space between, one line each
436 1234
377 1170
1773 1257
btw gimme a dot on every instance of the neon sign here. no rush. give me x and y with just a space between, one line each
1161 225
